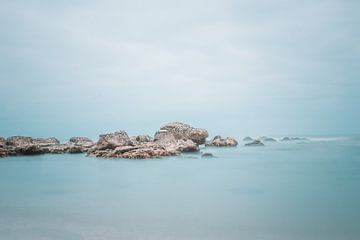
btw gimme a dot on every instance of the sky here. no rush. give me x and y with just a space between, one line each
259 67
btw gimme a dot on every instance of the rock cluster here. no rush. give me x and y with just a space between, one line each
218 141
171 139
21 145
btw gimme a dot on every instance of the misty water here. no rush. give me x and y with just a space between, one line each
295 190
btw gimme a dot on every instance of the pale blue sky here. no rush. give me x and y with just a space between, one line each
234 67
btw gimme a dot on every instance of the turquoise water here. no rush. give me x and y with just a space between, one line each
280 191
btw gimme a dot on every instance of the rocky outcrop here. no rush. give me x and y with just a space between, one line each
247 139
218 141
186 132
254 143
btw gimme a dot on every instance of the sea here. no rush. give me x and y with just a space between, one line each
297 190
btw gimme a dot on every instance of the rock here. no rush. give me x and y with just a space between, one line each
254 143
285 139
299 139
218 141
167 140
207 155
186 132
247 139
294 139
266 139
113 140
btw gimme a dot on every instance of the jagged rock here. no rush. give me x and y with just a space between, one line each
254 143
218 141
113 140
247 139
186 132
207 155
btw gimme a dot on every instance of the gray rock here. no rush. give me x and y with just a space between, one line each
207 155
266 139
254 143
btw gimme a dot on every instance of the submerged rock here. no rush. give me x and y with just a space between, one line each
254 143
294 139
207 155
218 141
247 139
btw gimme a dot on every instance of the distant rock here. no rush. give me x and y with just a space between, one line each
266 139
81 141
294 139
284 139
218 141
254 143
247 139
207 155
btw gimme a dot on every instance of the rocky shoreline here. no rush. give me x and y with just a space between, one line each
171 139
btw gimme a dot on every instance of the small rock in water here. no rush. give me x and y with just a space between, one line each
254 143
207 155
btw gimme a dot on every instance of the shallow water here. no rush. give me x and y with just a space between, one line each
307 190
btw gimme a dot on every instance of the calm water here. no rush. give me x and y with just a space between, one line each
281 191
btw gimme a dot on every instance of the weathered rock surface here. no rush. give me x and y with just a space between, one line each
247 139
186 132
254 143
81 141
141 139
218 141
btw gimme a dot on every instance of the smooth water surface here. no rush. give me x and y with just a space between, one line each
282 191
